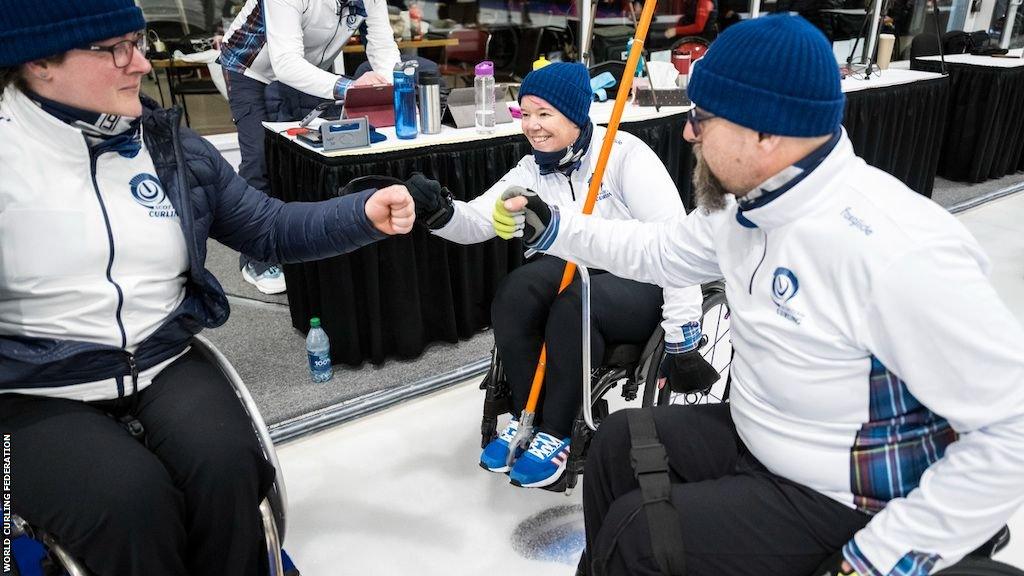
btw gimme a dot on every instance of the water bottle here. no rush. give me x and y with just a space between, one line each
430 102
483 87
405 102
318 349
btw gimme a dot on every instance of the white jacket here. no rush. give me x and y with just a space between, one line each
92 249
635 186
296 42
864 327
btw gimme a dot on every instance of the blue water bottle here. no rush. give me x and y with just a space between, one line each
405 102
318 349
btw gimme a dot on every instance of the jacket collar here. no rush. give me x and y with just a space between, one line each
796 190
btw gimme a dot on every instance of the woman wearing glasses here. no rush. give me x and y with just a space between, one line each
106 205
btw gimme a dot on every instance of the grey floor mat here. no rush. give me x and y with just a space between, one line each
270 356
948 193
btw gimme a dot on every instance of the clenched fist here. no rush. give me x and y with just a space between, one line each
391 210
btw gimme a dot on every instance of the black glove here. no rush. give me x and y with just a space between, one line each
434 204
688 373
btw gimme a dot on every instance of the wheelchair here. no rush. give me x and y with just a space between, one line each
625 365
57 560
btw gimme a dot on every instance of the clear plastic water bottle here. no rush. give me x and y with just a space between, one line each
318 349
483 86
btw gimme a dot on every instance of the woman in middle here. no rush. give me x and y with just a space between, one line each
527 310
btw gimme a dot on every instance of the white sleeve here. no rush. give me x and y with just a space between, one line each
651 196
471 222
935 321
381 50
672 254
287 53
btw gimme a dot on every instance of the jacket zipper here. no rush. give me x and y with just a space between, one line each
750 289
571 189
93 158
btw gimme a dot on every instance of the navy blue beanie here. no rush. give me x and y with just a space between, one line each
30 29
775 74
566 86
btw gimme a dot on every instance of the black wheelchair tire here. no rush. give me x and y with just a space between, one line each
714 296
972 566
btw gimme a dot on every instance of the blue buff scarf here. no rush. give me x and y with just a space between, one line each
119 133
568 160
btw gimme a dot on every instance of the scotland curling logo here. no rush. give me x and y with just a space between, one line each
784 288
147 191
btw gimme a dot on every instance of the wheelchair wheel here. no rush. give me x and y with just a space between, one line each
972 566
716 347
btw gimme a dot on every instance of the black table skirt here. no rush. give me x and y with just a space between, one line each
393 298
984 138
899 129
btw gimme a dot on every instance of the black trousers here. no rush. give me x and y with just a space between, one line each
184 503
737 518
527 311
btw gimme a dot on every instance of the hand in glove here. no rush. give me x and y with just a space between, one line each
520 213
434 204
687 372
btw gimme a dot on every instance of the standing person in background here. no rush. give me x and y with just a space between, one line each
294 42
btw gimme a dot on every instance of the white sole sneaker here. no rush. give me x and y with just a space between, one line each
265 286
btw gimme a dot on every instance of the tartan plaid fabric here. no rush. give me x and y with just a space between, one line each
912 563
899 442
244 44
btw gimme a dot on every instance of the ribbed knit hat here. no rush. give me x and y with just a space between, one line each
565 85
774 74
30 29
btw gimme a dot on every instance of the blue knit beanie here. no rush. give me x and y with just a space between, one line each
775 74
565 85
30 29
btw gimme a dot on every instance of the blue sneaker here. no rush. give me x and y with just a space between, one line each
495 455
543 463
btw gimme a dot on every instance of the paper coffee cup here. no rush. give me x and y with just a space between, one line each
885 43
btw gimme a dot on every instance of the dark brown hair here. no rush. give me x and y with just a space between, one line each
12 74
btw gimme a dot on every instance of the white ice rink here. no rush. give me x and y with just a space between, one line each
400 493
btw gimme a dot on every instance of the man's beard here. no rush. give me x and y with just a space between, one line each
711 194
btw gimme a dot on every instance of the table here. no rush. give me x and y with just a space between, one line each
393 298
896 121
984 137
406 45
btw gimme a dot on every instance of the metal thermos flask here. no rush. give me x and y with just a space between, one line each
430 102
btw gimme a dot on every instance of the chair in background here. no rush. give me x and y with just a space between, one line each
460 60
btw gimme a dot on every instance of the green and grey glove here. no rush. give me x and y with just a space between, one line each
528 224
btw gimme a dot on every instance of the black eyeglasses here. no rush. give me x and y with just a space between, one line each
123 51
696 117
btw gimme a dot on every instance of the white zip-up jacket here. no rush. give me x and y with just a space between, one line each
91 249
296 42
635 186
866 336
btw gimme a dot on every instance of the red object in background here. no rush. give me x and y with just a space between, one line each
695 46
681 60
